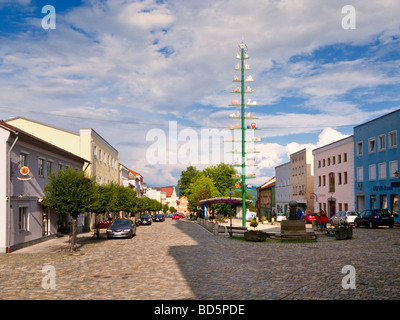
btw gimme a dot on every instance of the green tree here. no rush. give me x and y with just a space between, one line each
203 187
186 179
69 192
222 175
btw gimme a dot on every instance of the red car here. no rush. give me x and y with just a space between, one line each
309 217
176 216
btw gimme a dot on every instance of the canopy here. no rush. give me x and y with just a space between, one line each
236 201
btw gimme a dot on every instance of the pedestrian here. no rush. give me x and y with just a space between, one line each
323 220
299 213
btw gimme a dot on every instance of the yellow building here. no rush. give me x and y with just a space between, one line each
88 144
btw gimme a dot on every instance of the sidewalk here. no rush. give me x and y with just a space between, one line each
59 243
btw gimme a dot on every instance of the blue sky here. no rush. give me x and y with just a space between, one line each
126 67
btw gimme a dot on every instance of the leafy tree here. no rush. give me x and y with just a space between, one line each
203 187
186 179
221 175
69 192
172 210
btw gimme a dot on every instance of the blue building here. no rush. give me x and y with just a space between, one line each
376 164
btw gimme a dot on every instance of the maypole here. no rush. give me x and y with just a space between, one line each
245 162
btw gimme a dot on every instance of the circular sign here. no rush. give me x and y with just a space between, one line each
24 170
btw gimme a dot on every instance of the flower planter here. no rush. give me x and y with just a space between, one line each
342 234
257 236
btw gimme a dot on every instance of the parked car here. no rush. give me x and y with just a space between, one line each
144 219
348 216
104 224
181 215
158 217
176 216
309 217
280 217
121 228
374 218
169 215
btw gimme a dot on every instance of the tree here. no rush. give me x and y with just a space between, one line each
222 175
187 177
203 187
69 192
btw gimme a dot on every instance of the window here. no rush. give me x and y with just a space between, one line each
40 167
319 181
360 174
345 157
323 181
333 160
372 172
340 178
23 159
371 145
382 170
23 219
359 148
393 139
339 158
49 167
331 182
345 177
329 161
393 167
381 142
95 152
373 201
323 162
319 163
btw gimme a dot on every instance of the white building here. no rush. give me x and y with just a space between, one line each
334 177
25 164
282 188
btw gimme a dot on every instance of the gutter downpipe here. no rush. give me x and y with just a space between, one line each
9 194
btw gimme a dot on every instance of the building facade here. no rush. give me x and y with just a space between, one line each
302 179
334 177
25 164
183 205
282 188
266 199
102 157
376 164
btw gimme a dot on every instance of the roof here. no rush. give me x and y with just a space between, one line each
169 191
270 183
236 201
136 174
35 140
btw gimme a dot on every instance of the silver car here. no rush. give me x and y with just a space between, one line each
121 228
348 216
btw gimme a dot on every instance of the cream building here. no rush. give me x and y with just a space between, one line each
88 144
302 179
334 177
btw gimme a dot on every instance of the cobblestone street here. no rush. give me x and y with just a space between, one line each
181 260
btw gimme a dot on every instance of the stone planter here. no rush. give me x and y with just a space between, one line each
342 234
257 236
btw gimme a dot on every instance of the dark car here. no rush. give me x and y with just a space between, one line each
144 219
121 228
374 217
158 218
308 217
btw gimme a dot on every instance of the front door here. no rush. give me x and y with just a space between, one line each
332 208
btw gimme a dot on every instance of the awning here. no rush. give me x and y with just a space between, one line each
236 201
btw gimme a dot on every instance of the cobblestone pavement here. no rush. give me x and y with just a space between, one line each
181 260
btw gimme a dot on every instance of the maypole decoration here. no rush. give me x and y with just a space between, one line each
246 161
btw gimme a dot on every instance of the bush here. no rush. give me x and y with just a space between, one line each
254 222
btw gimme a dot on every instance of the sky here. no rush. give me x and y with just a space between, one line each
154 78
